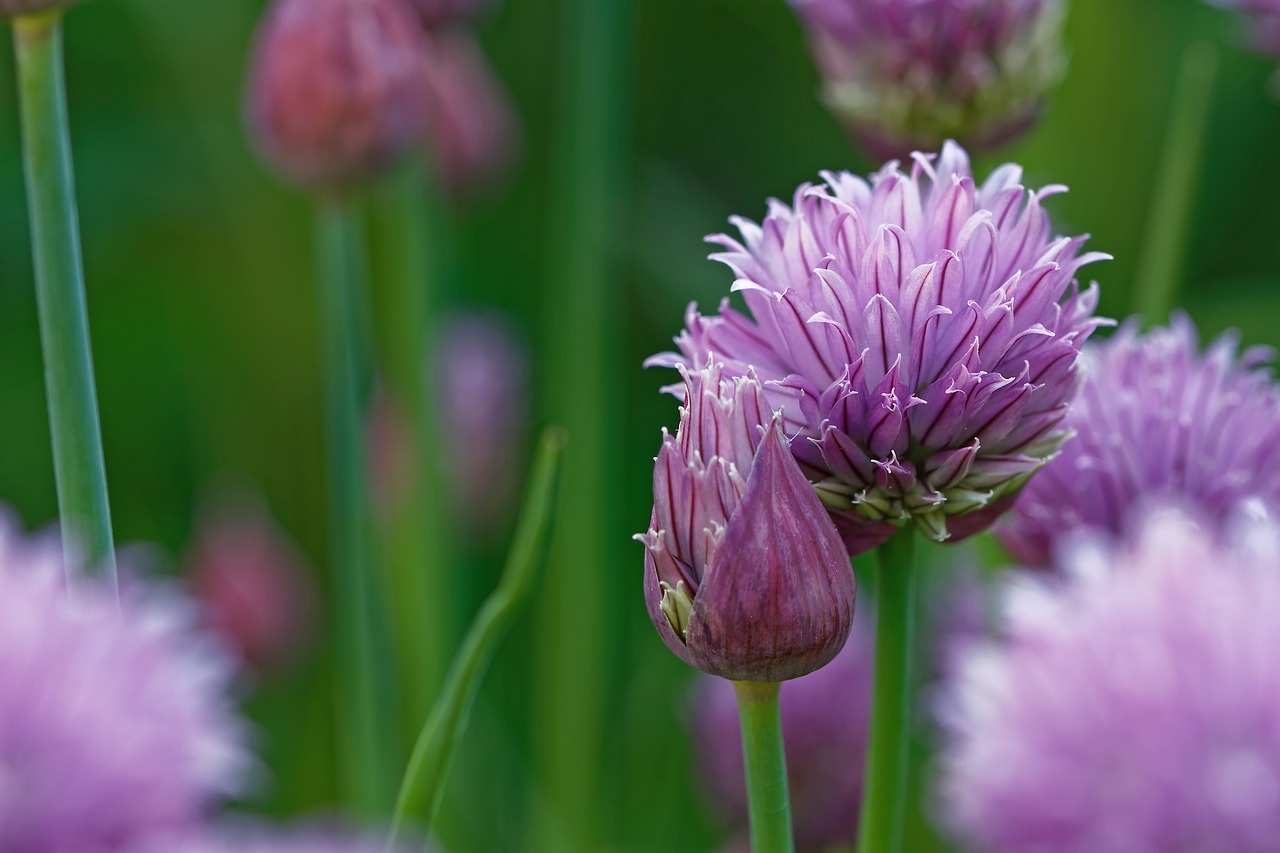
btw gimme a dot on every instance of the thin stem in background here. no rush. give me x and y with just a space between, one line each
766 764
580 333
64 323
424 780
363 690
422 569
884 796
1164 246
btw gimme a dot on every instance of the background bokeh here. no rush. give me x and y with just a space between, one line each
202 309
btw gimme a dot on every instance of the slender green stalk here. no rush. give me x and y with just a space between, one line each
580 334
64 323
424 779
885 791
1164 247
766 764
422 600
362 688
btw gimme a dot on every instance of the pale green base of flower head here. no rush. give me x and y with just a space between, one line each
985 101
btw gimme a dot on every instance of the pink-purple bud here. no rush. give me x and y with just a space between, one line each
474 133
337 88
253 586
745 575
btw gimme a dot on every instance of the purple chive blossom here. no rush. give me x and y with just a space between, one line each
904 74
1133 707
745 575
824 723
112 725
1157 421
1263 22
919 333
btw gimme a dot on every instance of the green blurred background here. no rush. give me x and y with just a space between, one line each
202 308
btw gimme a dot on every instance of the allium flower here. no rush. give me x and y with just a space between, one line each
745 576
1134 708
474 134
253 584
444 14
112 725
904 74
1263 20
824 722
482 386
918 332
337 89
1157 422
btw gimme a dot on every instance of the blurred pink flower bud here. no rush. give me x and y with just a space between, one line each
474 134
482 388
253 584
9 8
336 88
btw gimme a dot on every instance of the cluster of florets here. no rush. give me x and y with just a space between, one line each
115 722
905 74
918 332
1157 422
1131 706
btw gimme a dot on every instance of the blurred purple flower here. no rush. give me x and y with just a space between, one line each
1262 19
252 583
112 725
473 133
824 723
482 388
1157 422
337 88
745 576
1134 707
918 332
905 74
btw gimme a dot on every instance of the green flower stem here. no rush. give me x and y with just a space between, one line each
1164 246
885 791
762 750
362 687
580 336
423 781
64 323
421 559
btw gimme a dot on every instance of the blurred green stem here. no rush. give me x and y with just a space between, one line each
421 558
1164 246
362 692
64 322
884 797
579 334
424 780
763 752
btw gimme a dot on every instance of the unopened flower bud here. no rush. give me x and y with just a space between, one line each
905 74
474 134
337 88
745 575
